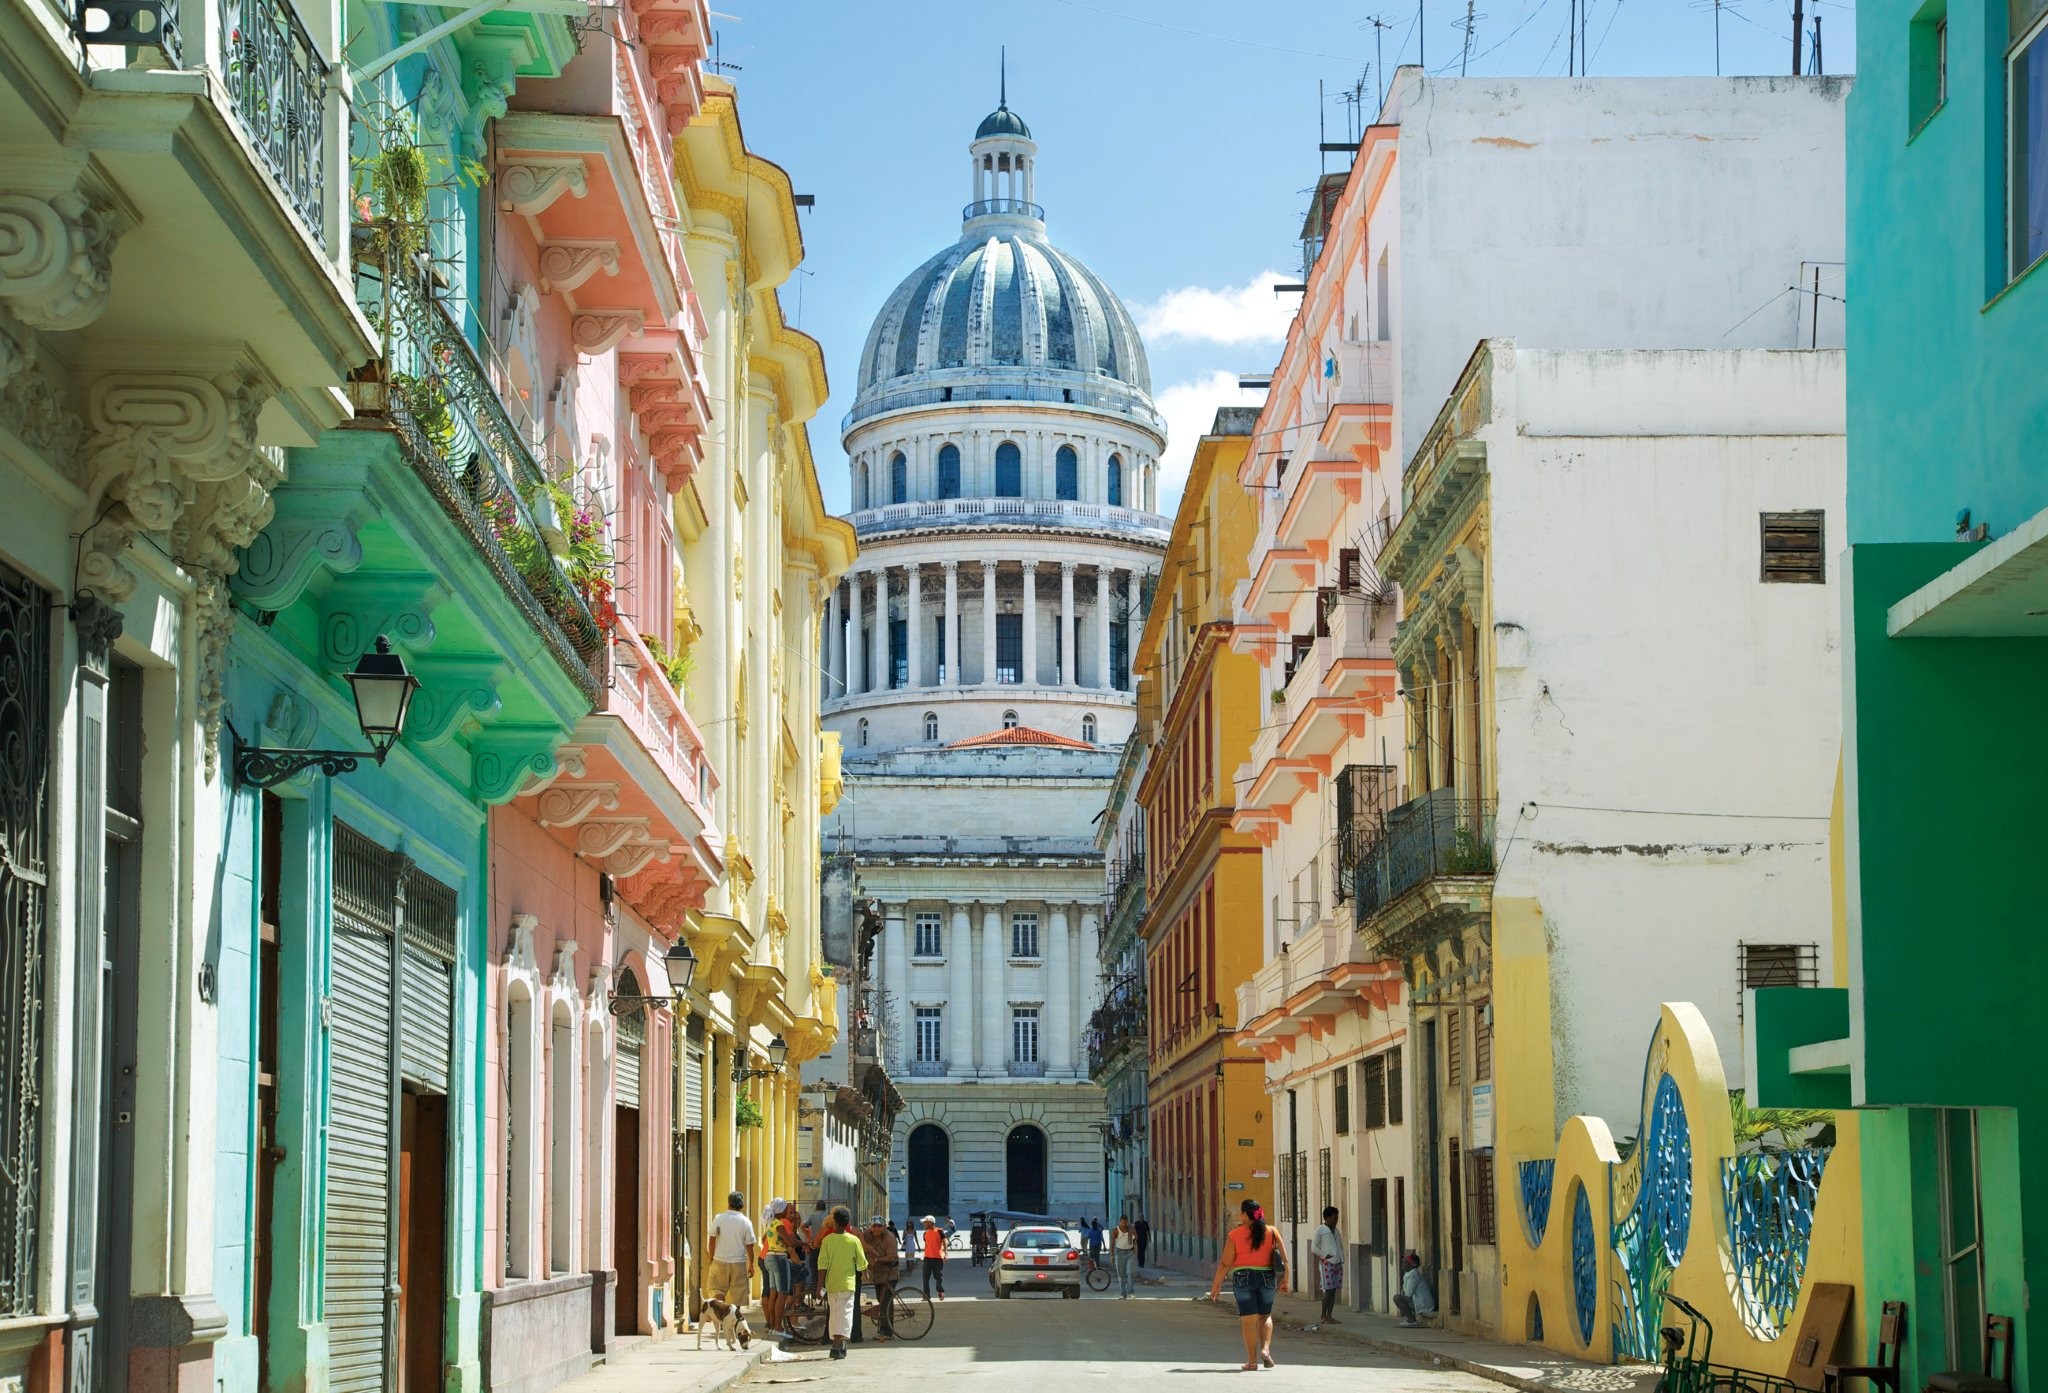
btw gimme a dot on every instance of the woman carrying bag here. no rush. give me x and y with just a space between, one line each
1257 1263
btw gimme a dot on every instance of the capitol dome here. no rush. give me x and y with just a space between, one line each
1002 314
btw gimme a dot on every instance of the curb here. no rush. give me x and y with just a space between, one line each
755 1359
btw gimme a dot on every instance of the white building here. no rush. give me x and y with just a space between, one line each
1004 451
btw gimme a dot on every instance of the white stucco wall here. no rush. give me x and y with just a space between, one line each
1667 725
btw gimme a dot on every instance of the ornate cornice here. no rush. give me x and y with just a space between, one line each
567 264
601 330
56 258
530 187
31 407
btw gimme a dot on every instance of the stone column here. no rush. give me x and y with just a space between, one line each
1068 676
951 655
856 656
1059 998
896 982
960 994
835 647
994 997
878 671
988 623
913 626
1030 674
1092 966
1102 618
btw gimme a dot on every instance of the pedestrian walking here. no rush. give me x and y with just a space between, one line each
1093 1235
1123 1250
1256 1260
1143 1232
885 1268
729 1275
934 1257
841 1260
1328 1248
1414 1298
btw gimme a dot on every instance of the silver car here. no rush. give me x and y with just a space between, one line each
1037 1258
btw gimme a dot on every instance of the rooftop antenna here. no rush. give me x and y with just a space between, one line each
718 63
1468 24
1379 63
1003 78
1717 6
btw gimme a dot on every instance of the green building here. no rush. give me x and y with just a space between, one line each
1946 663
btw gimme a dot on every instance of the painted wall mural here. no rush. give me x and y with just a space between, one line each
1768 1201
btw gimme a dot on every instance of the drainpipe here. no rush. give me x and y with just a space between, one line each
1294 1180
393 1293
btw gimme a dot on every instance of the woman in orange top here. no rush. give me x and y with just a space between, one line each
1256 1260
934 1257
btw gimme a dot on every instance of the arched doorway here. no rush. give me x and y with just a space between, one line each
930 1157
1024 1170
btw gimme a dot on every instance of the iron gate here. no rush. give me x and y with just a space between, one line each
24 914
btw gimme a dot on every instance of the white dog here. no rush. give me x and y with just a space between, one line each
726 1324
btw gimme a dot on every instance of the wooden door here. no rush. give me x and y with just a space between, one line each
626 1221
422 1240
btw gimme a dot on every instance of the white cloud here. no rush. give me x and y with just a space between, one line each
1250 313
1190 410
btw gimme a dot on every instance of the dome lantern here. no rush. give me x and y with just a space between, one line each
1004 165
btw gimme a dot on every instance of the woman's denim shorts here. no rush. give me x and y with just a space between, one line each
1254 1287
775 1267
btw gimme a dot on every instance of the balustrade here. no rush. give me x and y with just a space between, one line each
278 83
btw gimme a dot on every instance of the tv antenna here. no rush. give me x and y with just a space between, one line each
718 63
1380 26
1468 24
1716 6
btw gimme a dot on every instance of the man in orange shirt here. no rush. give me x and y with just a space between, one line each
934 1256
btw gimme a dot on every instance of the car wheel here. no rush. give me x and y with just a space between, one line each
1071 1293
1002 1292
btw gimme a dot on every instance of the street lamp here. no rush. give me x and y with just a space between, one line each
383 691
681 966
778 1055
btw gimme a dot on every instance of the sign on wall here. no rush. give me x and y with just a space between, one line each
1482 1117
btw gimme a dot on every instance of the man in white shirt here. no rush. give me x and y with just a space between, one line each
1328 1248
730 1273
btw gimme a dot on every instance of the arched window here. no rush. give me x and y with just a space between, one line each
1009 720
1088 729
1067 472
861 733
931 725
860 486
522 1161
1116 481
899 478
949 471
1009 471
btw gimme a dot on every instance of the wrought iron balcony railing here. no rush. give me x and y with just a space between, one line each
1027 1068
985 207
1438 834
464 447
278 83
927 1068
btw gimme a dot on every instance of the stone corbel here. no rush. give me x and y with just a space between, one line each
566 265
452 690
563 978
505 757
568 765
312 530
530 187
56 258
32 408
601 330
356 611
599 837
635 856
519 947
568 804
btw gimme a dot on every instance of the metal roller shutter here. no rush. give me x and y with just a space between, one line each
359 1139
428 1007
693 1088
626 1073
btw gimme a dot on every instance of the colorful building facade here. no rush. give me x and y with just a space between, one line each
1117 1029
1206 1145
1944 639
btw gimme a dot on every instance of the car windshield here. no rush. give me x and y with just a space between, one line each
1037 1238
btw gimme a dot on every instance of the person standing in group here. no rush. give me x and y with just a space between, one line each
885 1268
1256 1260
1091 1235
729 1275
934 1257
841 1260
779 1247
1328 1248
814 1234
1123 1250
1143 1232
1415 1298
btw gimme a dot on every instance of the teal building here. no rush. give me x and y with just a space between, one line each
1945 665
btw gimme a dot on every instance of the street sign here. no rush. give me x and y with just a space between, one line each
1235 1185
1482 1116
1244 1141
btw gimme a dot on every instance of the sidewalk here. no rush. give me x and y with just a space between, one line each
673 1365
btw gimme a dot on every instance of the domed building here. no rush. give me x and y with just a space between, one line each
1004 452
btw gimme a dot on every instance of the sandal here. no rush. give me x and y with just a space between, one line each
1266 1358
1248 1368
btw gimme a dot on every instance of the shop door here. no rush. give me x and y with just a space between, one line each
422 1242
626 1221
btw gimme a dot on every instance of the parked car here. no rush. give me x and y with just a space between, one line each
1037 1258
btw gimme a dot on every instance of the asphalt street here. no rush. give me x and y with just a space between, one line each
1040 1342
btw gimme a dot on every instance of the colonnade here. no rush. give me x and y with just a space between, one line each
854 666
976 1006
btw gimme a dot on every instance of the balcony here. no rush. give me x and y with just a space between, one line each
927 1068
1126 888
1001 207
1117 1026
952 513
1324 973
1431 866
1027 1068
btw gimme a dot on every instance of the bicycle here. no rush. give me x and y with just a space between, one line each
910 1317
1098 1277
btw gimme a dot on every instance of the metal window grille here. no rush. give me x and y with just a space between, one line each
1323 1181
930 937
1774 965
1454 1047
1479 1196
1376 1215
1342 1101
930 1034
1010 648
1794 546
1363 792
24 916
1393 1057
1299 1189
1283 1189
1024 938
1482 1042
1024 1034
1373 1075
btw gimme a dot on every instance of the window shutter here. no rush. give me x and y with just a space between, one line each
1794 545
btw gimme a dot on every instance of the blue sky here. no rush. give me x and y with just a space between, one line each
1177 142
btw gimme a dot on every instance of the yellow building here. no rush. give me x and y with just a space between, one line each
1199 702
760 552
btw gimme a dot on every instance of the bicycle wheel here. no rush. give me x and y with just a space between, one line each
1098 1279
810 1326
911 1314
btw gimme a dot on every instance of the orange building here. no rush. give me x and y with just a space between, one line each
1211 1144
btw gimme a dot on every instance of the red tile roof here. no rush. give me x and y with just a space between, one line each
1020 735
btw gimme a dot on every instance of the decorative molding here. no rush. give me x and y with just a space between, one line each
281 560
599 837
98 625
568 804
563 977
519 948
453 688
357 610
568 765
530 187
32 408
56 258
599 331
566 265
636 855
504 758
